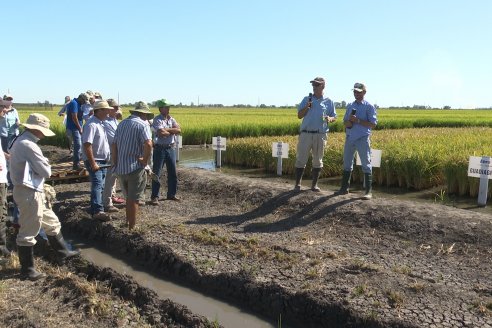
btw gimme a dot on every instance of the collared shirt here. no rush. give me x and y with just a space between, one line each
364 111
73 107
8 123
315 117
94 134
25 149
129 138
110 124
161 122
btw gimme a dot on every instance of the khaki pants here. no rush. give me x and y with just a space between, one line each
314 142
33 215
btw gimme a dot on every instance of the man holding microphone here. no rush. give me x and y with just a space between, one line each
316 111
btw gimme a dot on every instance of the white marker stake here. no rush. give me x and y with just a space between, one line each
219 144
179 144
280 150
481 167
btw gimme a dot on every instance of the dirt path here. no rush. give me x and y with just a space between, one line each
312 258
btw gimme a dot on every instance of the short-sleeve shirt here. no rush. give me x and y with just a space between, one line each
73 107
110 124
161 122
129 138
8 123
314 119
94 134
364 111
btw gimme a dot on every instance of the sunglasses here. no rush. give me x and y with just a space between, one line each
316 84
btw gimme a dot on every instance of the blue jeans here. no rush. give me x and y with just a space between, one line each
163 154
77 145
97 186
363 147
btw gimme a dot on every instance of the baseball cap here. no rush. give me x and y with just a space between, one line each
84 96
318 79
8 97
359 87
162 103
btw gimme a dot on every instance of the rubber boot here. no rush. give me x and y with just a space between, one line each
26 259
60 246
315 174
344 189
4 251
299 173
368 186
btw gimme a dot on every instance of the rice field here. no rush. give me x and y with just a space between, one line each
421 148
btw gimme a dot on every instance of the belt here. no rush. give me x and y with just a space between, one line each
307 131
164 146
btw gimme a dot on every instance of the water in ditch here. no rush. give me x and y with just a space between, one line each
215 310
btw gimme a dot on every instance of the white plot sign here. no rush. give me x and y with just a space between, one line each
480 167
280 149
218 143
375 158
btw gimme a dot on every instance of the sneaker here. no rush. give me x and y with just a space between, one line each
367 196
154 201
111 209
118 200
174 198
102 216
315 189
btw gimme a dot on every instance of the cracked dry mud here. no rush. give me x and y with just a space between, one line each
316 259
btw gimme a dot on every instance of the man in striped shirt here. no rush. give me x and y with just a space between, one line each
130 153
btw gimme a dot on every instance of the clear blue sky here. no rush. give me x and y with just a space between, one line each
427 52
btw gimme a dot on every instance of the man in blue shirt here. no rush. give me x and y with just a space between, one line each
359 119
74 126
316 111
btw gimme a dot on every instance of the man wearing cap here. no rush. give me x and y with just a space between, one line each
359 119
74 125
110 125
9 123
29 168
166 130
316 111
87 108
96 156
130 153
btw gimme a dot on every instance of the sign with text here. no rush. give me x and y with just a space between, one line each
375 158
480 167
218 143
280 149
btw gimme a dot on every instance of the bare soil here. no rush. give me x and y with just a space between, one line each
315 259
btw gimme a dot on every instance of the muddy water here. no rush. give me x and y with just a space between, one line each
204 158
225 314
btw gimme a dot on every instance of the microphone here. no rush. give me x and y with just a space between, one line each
352 113
310 99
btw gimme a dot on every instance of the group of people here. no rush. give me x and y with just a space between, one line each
317 111
108 149
122 150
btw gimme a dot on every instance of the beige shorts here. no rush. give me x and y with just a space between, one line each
133 184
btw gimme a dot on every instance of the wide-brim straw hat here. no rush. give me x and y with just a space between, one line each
143 108
39 122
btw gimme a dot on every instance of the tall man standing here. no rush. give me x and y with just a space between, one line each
130 153
359 119
28 169
316 111
96 156
74 126
166 130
